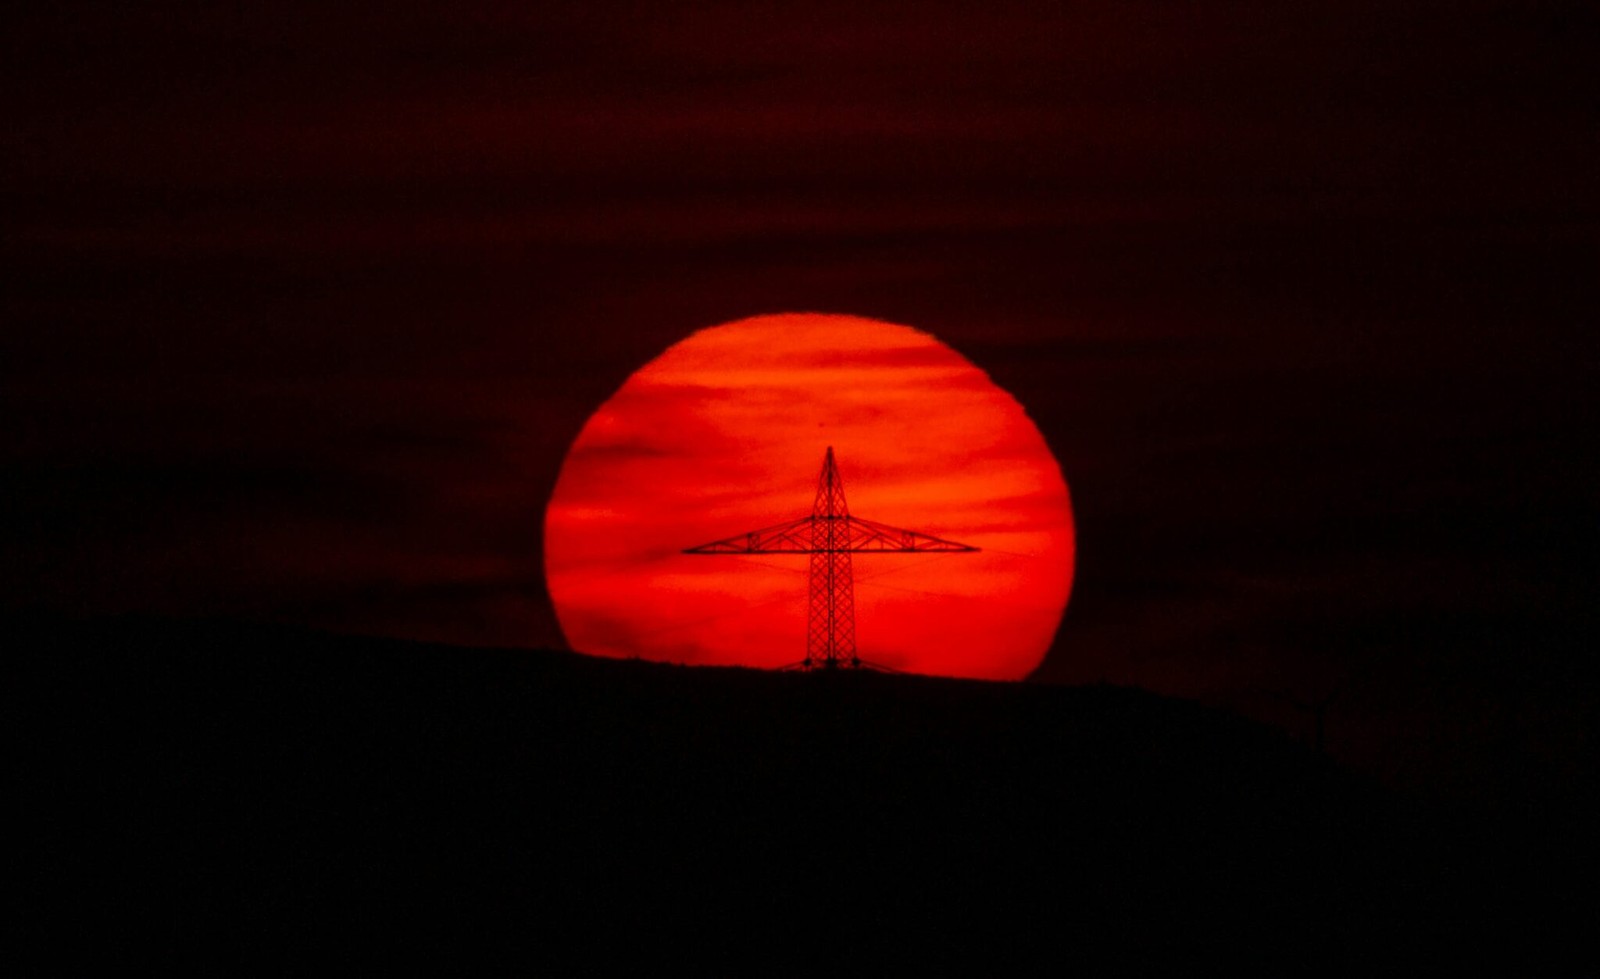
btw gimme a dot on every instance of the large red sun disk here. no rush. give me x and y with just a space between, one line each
723 433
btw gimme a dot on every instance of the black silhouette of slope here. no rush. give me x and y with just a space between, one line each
267 799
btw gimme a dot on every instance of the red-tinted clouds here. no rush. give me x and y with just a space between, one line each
724 433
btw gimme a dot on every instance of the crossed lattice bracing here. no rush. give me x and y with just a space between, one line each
830 535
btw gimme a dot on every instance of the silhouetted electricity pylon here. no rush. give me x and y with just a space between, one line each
830 535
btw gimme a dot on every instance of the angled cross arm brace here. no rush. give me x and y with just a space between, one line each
793 537
869 535
796 537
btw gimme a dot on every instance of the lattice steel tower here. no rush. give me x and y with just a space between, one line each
830 535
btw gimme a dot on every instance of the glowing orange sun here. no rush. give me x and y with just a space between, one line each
725 433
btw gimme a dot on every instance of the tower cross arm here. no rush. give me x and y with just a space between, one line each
869 535
793 537
853 534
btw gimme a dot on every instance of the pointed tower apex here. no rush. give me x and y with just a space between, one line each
830 502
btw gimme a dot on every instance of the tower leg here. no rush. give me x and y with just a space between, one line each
831 622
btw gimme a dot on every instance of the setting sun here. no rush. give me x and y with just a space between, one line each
724 433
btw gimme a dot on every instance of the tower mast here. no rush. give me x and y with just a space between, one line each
830 535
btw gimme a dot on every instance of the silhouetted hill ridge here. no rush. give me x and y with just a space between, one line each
270 785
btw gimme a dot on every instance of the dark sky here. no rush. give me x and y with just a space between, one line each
303 304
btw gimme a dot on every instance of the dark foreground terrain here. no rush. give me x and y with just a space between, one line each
256 799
